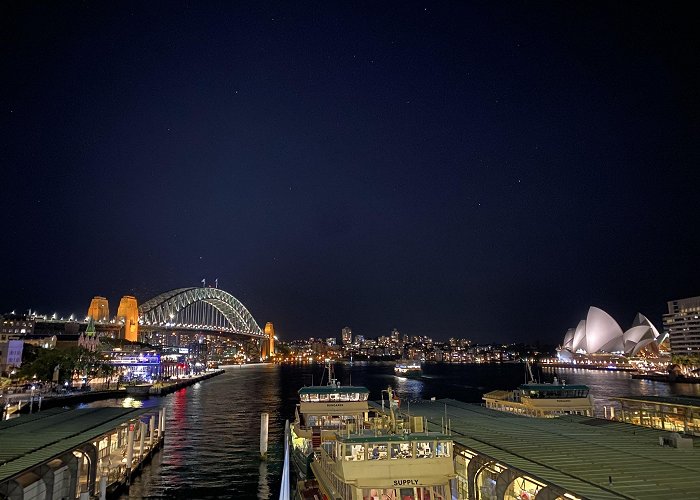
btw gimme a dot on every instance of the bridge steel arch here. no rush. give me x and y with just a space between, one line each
159 310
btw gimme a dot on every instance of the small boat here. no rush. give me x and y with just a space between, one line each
139 389
408 368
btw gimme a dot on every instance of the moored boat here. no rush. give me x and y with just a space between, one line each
322 411
543 400
386 458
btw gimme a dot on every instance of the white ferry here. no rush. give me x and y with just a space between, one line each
385 459
543 400
408 368
322 411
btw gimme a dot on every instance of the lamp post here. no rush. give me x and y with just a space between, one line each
31 400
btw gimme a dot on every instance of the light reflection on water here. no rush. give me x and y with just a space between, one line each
213 427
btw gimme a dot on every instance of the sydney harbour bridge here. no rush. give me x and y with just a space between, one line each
206 310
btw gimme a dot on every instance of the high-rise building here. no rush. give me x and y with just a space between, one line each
346 335
682 325
395 336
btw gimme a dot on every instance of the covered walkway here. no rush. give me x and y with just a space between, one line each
66 454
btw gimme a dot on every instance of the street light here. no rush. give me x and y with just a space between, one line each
31 400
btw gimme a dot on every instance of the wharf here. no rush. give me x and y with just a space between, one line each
569 456
171 386
86 453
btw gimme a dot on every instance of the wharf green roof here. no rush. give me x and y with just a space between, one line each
329 389
576 453
31 440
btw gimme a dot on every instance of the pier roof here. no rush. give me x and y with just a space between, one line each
31 440
579 454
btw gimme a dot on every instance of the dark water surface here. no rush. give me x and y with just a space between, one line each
213 427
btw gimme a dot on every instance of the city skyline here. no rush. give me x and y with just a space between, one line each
486 171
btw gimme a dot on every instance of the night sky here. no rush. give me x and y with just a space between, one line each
483 170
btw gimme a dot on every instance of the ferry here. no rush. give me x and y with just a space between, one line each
322 411
543 400
385 459
408 368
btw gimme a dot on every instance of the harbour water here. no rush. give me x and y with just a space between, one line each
212 436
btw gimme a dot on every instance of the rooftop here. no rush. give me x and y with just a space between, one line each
577 453
330 389
31 440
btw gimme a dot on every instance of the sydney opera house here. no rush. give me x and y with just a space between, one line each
599 333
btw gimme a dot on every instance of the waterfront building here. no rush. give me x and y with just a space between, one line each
346 335
136 365
10 355
670 413
82 453
600 333
499 455
682 325
15 325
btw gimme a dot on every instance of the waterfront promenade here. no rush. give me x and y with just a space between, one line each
27 402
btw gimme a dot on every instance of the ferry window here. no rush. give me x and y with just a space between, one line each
304 397
364 397
313 398
378 452
424 449
380 494
323 397
334 397
443 449
407 494
354 452
400 450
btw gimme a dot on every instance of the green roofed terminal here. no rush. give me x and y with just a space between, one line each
499 455
62 453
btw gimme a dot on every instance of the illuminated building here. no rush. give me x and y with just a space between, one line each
128 315
99 309
346 335
682 325
600 333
